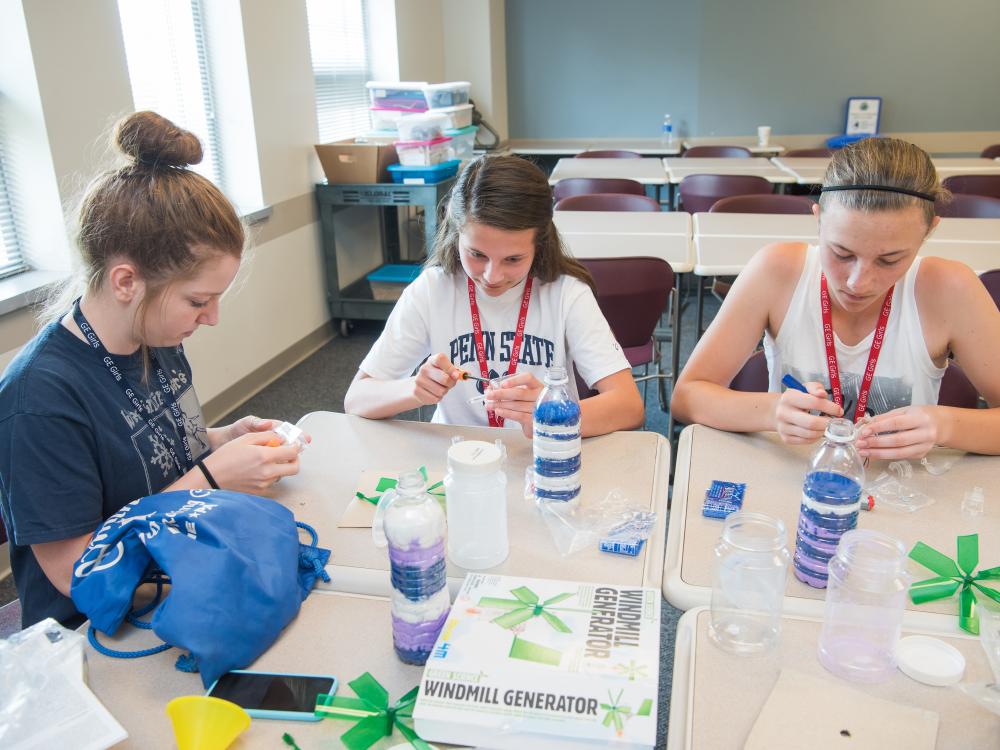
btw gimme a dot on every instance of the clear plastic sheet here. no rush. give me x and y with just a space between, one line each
577 526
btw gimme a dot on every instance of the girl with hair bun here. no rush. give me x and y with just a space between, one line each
497 262
860 313
98 409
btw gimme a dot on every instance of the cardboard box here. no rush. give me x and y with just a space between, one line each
350 162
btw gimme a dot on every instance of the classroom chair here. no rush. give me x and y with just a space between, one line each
632 293
976 184
586 185
10 618
609 154
991 152
968 206
720 152
763 204
991 280
815 153
956 389
699 192
607 202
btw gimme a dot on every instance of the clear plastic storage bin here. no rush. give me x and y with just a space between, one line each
404 95
459 116
423 175
383 118
423 153
426 126
463 141
447 94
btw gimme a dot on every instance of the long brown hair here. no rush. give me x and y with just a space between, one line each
888 162
153 212
512 194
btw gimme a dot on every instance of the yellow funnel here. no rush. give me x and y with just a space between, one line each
204 723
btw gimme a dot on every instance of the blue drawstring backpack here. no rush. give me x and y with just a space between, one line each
236 568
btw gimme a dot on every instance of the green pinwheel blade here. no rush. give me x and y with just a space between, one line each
423 472
933 588
991 593
404 706
990 574
385 483
525 595
412 737
555 622
371 691
557 598
609 716
510 619
492 602
968 617
968 553
933 560
364 734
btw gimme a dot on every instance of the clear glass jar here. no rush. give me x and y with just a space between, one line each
410 521
557 443
476 492
748 585
831 501
864 606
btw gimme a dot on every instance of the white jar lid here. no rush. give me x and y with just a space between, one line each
474 457
929 660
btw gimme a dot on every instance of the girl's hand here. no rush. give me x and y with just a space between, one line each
516 399
252 462
248 425
792 419
910 432
434 379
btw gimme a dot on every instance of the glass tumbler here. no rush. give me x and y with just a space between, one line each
748 587
865 598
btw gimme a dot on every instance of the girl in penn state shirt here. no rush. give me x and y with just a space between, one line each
98 409
499 295
864 284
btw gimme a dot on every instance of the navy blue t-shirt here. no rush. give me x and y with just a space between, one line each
73 450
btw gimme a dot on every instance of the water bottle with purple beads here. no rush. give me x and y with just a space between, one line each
412 523
557 441
831 500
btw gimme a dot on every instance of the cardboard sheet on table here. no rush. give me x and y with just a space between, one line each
359 513
806 711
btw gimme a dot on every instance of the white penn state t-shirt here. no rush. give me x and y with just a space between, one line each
564 327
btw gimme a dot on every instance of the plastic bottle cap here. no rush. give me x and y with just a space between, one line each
929 660
474 457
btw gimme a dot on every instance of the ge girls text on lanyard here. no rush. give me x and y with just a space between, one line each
130 394
515 352
831 351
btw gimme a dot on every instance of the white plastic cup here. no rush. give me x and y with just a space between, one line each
476 498
763 135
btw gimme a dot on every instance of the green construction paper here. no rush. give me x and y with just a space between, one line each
388 483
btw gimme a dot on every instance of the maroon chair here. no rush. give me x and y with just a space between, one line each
763 204
720 152
818 153
632 293
607 202
699 192
586 185
991 280
991 152
976 184
956 389
968 206
611 153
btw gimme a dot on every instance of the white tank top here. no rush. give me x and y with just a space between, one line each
905 373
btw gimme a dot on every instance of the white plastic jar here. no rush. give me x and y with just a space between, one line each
476 498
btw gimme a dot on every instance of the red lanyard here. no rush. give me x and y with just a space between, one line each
515 351
831 352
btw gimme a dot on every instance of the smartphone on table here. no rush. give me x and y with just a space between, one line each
266 695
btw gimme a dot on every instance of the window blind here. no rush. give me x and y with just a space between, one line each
341 59
170 72
11 260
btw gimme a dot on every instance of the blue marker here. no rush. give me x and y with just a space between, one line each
790 382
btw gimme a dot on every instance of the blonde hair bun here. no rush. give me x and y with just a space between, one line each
152 140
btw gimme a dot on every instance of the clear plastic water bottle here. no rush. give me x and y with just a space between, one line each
557 442
667 132
831 500
412 523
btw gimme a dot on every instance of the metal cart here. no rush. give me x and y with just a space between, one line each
355 301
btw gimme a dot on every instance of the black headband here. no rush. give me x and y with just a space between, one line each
883 188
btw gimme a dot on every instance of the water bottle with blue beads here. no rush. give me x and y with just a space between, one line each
557 442
831 500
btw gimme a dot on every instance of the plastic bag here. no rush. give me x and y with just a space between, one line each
890 490
580 526
45 701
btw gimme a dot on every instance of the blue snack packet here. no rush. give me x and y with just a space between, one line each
723 498
628 536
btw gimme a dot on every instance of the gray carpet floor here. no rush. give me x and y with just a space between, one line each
320 382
